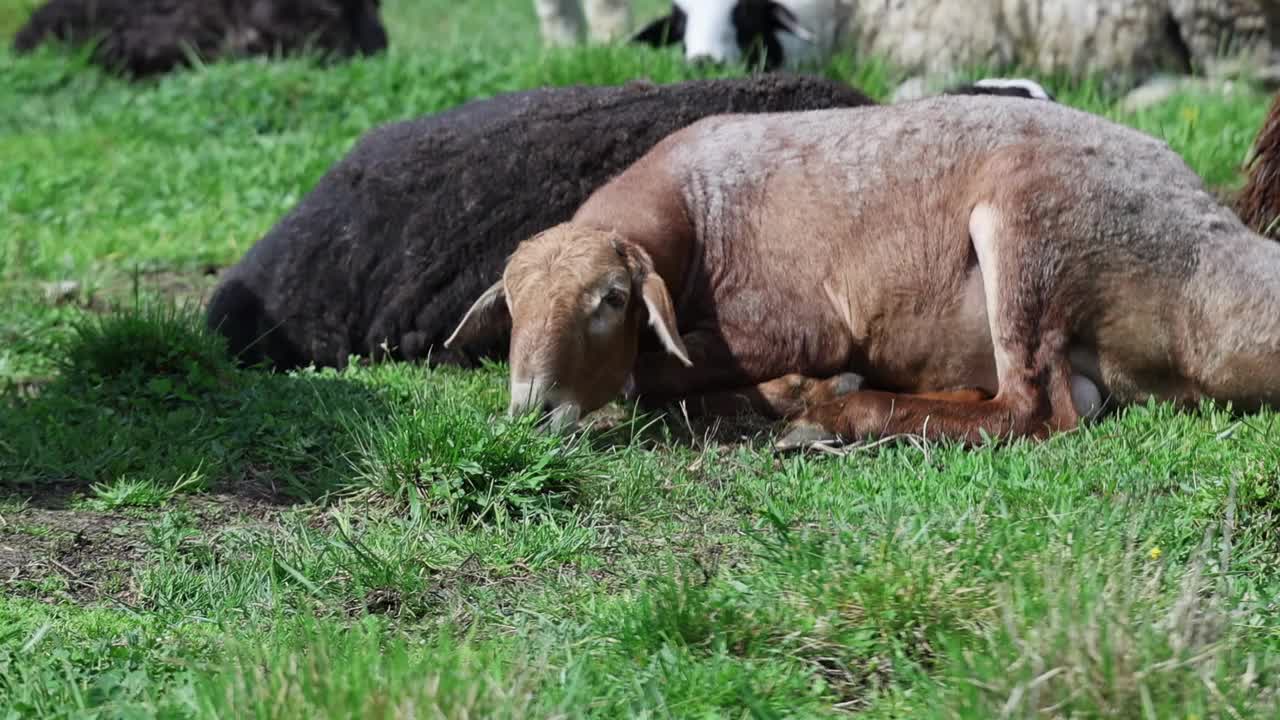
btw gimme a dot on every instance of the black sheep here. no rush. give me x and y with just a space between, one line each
396 241
140 38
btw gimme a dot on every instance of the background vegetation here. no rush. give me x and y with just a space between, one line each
182 539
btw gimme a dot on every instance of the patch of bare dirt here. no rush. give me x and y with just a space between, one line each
52 550
613 426
52 554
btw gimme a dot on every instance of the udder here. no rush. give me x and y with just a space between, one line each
1086 382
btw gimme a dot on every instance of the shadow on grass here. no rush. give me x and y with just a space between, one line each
269 438
149 438
147 403
620 426
146 394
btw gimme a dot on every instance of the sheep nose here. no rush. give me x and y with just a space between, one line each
703 60
530 397
540 410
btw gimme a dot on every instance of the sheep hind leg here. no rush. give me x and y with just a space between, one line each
783 397
1028 330
791 395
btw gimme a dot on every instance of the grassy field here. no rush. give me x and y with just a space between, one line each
179 538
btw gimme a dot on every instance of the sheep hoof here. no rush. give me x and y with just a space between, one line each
802 436
846 383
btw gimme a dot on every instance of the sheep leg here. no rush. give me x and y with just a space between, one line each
658 379
608 20
782 397
560 20
1025 307
791 395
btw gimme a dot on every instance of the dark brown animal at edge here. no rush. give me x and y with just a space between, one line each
1258 203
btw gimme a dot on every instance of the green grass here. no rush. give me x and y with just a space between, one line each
180 538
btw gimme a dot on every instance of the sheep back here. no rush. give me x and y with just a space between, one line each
394 243
1126 40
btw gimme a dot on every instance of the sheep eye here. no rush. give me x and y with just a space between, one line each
615 299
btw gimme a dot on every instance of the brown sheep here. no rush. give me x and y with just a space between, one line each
1032 262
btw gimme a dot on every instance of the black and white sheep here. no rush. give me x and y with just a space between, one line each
140 38
1011 87
773 34
385 254
762 33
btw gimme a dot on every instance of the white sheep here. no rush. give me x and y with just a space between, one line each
1126 40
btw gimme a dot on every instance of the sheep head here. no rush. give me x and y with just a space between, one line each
577 298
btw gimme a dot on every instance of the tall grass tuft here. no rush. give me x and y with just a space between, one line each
358 673
448 457
1114 636
149 338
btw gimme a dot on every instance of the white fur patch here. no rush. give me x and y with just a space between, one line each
1033 89
668 340
709 31
984 223
529 396
524 396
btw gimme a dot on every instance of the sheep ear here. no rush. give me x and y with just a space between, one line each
487 318
662 316
662 312
664 31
